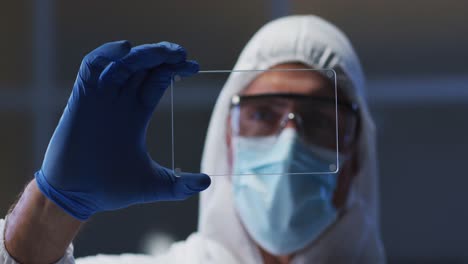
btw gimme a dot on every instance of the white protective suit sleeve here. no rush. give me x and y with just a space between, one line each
196 249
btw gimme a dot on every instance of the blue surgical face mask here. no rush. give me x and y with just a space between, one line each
283 213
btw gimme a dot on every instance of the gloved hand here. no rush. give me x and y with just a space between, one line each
97 159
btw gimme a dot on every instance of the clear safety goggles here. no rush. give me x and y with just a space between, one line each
319 121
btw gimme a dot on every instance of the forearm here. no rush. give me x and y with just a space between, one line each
38 230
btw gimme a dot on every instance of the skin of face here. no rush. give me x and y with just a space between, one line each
301 82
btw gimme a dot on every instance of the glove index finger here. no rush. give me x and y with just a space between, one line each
140 58
185 69
148 56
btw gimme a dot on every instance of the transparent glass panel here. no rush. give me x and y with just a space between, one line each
278 121
159 135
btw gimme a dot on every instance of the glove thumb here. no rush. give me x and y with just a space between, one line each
188 184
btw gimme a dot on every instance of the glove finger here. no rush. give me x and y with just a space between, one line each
112 50
95 61
188 184
194 181
130 89
143 57
154 86
160 78
185 69
151 55
166 186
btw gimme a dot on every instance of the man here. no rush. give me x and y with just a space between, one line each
97 160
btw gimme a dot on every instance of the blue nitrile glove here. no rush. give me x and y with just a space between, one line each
97 159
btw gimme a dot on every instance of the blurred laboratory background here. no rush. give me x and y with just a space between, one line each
415 55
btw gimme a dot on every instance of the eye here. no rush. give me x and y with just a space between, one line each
263 115
318 120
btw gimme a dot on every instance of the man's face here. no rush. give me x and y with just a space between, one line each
310 83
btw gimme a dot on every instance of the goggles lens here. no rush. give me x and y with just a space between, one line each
319 121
